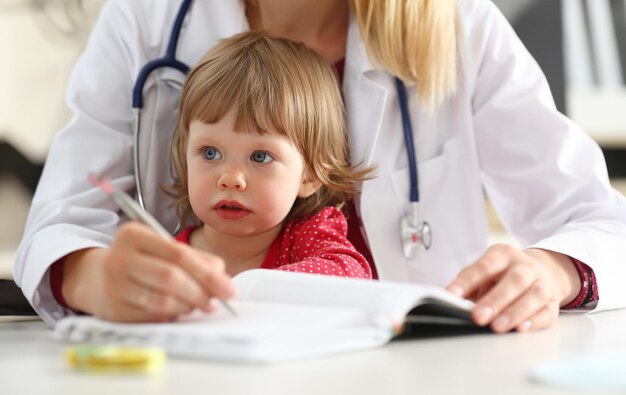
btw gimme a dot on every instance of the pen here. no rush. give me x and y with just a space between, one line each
135 212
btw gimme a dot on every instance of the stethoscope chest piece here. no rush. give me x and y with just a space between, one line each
415 233
414 236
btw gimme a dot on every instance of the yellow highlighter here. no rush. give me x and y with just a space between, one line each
112 358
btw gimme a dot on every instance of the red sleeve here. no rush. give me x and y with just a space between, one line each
588 286
56 283
319 244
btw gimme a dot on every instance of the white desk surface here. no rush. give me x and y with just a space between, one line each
31 363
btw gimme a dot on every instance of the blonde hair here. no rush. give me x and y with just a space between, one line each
273 85
416 40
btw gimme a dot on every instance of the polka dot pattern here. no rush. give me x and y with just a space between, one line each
316 244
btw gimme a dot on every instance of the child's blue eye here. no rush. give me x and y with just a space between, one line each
261 157
211 153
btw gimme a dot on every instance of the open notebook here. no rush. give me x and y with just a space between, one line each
282 315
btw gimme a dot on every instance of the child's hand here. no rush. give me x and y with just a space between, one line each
143 277
515 289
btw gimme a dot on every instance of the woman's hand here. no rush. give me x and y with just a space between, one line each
515 289
143 277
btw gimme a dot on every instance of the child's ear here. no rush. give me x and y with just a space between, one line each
309 186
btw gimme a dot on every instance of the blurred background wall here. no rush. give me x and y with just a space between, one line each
580 45
40 41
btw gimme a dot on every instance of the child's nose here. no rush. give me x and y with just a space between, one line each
232 179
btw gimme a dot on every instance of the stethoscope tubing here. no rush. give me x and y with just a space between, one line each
167 61
414 195
415 233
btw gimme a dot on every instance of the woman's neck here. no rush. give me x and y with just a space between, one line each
322 25
239 253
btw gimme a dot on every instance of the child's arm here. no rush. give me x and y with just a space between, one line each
319 245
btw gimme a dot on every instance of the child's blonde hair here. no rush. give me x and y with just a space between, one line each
416 40
273 85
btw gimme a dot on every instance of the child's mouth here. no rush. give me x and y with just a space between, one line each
231 210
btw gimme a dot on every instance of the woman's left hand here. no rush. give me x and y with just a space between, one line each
517 289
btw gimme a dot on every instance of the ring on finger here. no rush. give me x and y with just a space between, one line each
144 297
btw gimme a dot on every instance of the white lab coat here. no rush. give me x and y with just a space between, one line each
499 134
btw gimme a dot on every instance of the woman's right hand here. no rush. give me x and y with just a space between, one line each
143 277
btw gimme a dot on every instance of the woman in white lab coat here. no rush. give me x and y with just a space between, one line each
483 122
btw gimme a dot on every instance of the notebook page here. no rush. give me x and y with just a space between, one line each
386 298
260 332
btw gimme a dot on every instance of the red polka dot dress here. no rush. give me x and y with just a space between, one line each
313 244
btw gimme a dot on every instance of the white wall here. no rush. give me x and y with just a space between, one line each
34 67
596 91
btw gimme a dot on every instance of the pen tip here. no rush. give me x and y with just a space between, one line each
104 184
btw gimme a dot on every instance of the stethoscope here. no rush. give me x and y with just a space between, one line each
415 233
167 61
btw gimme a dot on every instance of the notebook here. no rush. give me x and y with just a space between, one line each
285 316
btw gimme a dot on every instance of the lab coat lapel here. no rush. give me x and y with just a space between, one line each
364 98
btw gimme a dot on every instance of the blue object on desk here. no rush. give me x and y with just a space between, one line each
606 373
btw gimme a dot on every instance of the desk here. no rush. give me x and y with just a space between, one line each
30 363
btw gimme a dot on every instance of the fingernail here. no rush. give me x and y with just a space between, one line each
483 314
211 305
455 289
227 289
501 322
526 325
